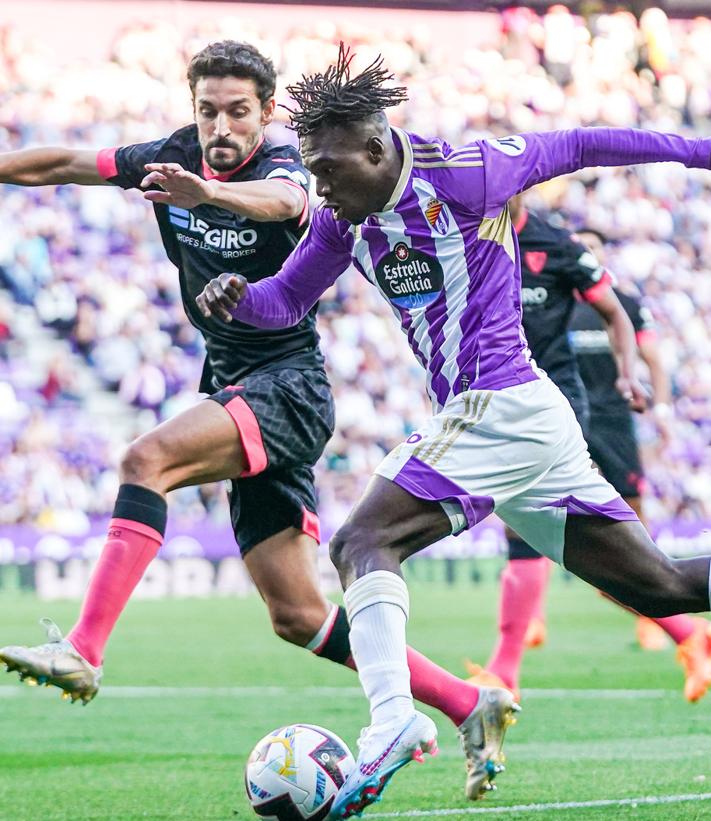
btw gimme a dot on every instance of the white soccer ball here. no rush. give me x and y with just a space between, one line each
294 773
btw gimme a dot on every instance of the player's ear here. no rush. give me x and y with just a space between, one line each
268 111
376 149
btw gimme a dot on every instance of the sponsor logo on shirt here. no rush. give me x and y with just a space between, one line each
534 296
227 241
408 277
437 215
512 146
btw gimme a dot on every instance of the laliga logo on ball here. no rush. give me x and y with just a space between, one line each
294 773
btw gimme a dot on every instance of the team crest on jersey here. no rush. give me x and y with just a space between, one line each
535 260
408 277
437 215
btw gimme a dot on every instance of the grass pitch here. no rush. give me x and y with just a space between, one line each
604 724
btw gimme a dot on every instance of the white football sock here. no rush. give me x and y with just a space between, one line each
377 605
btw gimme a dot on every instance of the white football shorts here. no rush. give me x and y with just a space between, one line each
519 452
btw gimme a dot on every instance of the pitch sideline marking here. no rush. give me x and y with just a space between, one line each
8 691
557 805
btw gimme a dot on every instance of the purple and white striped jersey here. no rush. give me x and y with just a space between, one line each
443 252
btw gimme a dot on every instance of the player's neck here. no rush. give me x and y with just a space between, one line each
392 172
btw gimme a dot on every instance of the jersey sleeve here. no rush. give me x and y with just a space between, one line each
513 164
641 318
125 166
584 272
313 266
286 166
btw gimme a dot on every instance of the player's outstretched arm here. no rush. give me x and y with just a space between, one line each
514 164
283 300
259 200
624 346
50 166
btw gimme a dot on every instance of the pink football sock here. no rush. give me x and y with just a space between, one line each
522 585
678 628
434 686
130 547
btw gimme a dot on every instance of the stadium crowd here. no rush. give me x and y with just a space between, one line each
94 345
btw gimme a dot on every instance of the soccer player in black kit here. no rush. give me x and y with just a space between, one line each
567 295
554 268
225 200
612 441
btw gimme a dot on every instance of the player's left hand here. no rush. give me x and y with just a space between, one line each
634 392
221 295
180 187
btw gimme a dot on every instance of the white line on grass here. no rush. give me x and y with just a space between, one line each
558 805
340 692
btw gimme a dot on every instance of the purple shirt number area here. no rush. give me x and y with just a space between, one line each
443 252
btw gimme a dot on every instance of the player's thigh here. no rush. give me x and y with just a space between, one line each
272 421
618 557
387 525
199 445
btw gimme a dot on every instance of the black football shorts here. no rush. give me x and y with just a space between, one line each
612 443
285 418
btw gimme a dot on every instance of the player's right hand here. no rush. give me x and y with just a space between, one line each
222 295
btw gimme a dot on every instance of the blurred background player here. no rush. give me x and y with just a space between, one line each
612 442
564 282
230 201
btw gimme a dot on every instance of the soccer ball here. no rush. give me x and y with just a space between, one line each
294 773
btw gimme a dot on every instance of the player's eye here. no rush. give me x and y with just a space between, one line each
207 112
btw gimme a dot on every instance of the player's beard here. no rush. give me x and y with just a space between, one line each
226 161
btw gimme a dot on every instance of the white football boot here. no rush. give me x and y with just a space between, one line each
383 749
54 663
482 737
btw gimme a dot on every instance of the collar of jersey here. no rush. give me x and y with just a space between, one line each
223 176
404 173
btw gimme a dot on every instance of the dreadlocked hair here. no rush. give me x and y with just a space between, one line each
334 98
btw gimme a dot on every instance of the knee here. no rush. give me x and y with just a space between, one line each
347 543
297 625
143 462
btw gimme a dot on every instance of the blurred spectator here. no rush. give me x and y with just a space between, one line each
95 347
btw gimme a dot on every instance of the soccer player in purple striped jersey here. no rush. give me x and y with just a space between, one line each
429 226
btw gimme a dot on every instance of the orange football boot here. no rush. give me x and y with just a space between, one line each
481 677
694 655
650 635
536 633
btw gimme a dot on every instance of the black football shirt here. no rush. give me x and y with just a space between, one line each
206 241
554 266
594 353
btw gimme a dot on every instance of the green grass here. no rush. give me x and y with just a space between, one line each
182 757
